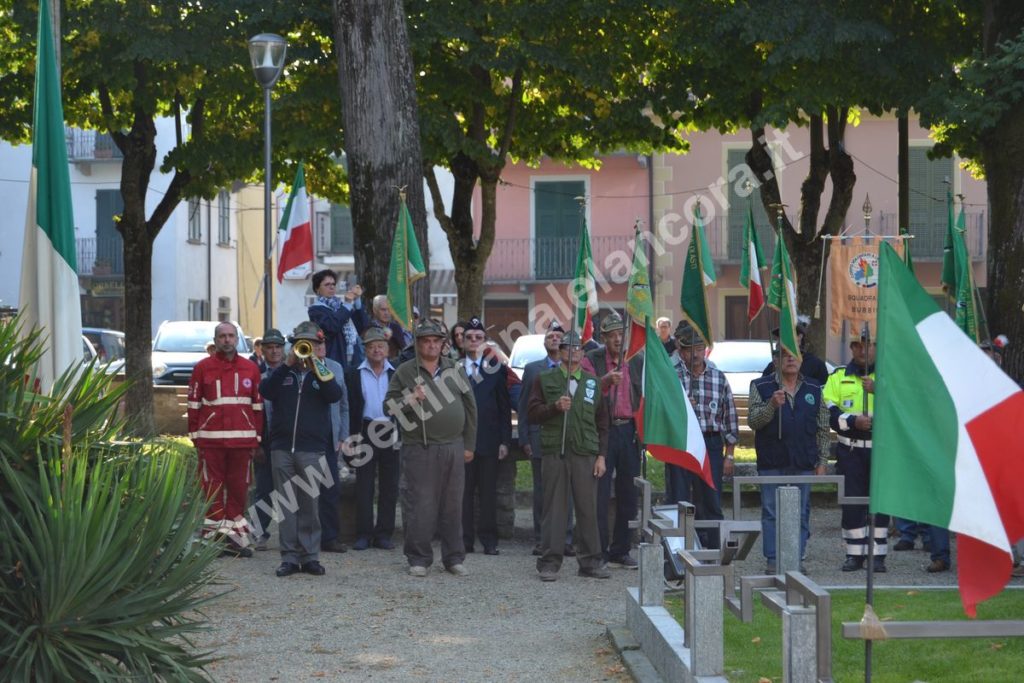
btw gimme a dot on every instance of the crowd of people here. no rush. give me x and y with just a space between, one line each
423 417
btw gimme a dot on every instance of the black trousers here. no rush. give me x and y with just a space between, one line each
622 463
378 474
482 484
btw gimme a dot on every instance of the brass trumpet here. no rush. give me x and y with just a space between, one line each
303 350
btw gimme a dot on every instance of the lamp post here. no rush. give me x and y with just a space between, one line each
267 52
866 208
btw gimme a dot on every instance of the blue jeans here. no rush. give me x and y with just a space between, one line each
910 530
768 511
938 540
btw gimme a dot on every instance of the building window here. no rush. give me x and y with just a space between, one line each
109 245
223 218
198 309
195 223
556 221
223 308
928 215
739 201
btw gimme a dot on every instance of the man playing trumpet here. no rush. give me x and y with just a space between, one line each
302 391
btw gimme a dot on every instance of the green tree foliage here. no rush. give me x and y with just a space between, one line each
127 64
100 578
771 63
977 111
522 80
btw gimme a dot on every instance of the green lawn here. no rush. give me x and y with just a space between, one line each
753 651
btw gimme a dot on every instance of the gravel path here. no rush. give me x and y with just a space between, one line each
367 620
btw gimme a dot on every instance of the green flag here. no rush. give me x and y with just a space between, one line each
406 268
707 263
638 299
782 297
585 293
694 296
49 293
966 311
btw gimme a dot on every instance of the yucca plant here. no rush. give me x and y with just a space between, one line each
100 576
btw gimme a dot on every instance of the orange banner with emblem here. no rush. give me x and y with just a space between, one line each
853 281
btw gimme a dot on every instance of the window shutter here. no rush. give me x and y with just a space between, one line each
109 244
556 228
342 241
738 211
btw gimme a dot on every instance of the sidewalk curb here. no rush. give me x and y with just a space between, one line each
639 667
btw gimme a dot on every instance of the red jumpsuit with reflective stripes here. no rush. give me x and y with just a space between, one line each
225 423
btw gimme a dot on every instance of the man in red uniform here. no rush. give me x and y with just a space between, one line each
225 422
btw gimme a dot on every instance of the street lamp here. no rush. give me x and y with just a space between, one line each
267 52
867 212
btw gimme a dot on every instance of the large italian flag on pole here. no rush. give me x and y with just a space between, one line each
584 291
296 233
49 295
947 435
665 419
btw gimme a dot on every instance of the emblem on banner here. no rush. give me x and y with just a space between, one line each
864 270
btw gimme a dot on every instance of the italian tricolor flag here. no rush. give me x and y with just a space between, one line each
49 296
666 423
752 267
948 444
296 233
584 291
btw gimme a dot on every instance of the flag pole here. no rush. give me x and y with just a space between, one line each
408 298
779 212
869 592
626 319
572 328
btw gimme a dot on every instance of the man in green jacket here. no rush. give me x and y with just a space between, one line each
572 461
432 400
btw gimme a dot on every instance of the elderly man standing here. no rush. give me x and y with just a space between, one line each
302 395
374 454
800 447
225 422
573 416
621 388
433 401
273 357
709 392
380 317
529 434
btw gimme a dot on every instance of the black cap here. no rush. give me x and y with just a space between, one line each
475 324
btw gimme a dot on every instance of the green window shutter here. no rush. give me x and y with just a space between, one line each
928 215
738 210
556 228
109 244
342 241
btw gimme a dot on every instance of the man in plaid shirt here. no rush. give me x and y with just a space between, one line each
709 392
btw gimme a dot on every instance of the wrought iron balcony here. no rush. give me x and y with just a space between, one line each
929 239
90 146
99 257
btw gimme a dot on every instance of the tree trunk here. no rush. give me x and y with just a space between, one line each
382 135
139 149
805 247
1003 153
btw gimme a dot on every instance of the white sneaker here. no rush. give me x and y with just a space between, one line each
458 570
417 571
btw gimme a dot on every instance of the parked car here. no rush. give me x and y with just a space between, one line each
91 352
526 349
743 361
109 344
180 344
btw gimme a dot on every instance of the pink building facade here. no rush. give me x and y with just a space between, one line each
538 221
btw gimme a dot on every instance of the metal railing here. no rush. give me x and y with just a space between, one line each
930 238
90 145
99 256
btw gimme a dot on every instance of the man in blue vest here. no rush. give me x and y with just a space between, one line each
800 447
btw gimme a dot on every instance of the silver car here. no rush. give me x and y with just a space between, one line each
180 344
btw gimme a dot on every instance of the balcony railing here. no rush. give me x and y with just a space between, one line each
929 239
90 145
99 257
